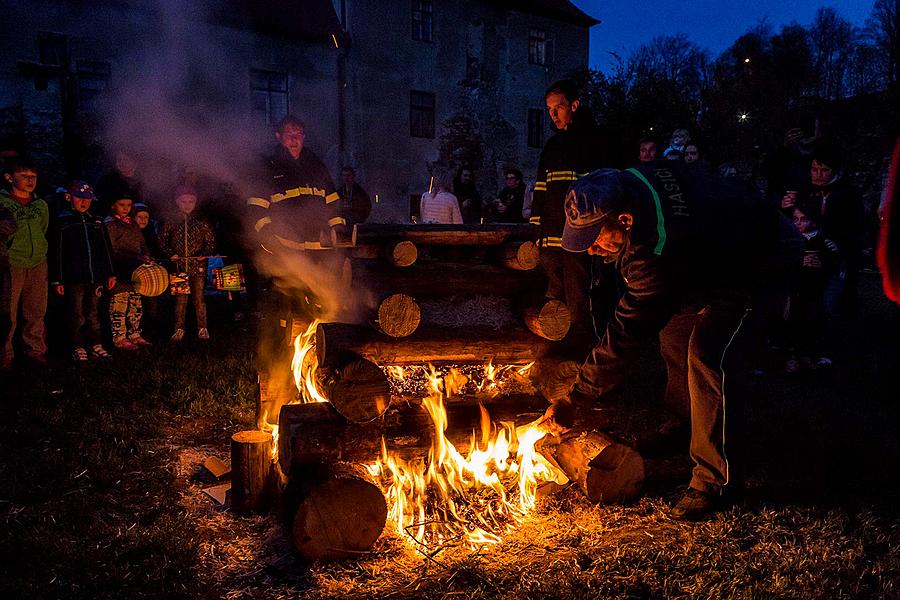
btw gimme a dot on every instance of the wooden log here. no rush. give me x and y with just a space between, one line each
334 341
549 319
520 256
338 511
604 469
473 235
399 315
396 253
252 476
317 432
444 279
360 392
553 378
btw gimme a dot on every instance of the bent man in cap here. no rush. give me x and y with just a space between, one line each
692 255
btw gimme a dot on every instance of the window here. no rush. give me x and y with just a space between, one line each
421 114
538 47
535 127
269 91
93 79
422 20
53 48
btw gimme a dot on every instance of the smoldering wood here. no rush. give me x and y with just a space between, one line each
317 432
554 377
359 391
605 469
548 318
520 256
399 315
435 345
252 475
335 510
438 280
430 234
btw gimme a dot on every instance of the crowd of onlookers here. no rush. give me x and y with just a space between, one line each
93 246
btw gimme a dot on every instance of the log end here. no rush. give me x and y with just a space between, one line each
527 256
362 391
399 315
403 254
340 519
550 320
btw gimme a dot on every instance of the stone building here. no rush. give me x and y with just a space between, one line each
390 87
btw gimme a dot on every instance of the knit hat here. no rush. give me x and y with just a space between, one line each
185 190
139 207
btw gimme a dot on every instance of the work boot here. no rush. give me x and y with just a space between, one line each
696 505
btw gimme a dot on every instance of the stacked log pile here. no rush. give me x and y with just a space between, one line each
417 275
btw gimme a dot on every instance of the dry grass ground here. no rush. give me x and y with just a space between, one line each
99 498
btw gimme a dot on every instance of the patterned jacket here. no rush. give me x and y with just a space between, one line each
191 236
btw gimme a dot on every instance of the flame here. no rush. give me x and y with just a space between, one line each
305 364
471 499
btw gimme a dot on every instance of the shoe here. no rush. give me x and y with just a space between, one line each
792 365
98 351
823 362
177 336
79 355
137 340
237 317
696 505
125 344
203 333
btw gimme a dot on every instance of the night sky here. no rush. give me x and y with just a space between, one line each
712 24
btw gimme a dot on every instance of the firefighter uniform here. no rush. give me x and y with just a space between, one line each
296 205
567 155
698 254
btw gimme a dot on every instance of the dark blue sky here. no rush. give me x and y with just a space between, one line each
712 24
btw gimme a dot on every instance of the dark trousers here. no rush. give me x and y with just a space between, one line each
569 280
704 351
196 283
82 301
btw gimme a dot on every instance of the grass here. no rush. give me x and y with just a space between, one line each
99 499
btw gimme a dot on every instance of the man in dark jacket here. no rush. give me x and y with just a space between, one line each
80 269
576 149
355 202
295 205
692 253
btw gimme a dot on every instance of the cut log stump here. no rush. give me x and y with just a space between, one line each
401 254
340 512
520 256
549 319
252 474
605 470
399 315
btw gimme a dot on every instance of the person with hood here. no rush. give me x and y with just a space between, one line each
576 149
692 254
27 256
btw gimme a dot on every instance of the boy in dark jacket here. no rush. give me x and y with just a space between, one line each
80 268
129 251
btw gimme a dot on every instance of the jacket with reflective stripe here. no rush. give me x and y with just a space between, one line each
568 155
294 202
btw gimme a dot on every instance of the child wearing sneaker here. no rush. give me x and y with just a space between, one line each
129 250
188 240
80 269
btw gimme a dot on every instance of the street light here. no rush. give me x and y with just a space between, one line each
747 61
743 117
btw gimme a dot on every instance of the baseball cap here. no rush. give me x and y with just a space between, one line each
590 202
80 189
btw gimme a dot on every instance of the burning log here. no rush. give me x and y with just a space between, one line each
441 280
474 235
399 315
337 511
603 468
360 392
316 431
428 345
554 377
520 256
252 476
549 319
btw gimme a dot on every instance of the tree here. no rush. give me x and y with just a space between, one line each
883 28
833 40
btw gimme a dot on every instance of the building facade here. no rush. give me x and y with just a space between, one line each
390 87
